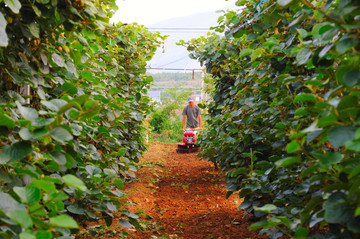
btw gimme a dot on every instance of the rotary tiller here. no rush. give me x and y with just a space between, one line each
188 145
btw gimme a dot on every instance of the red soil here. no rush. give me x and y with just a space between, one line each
181 196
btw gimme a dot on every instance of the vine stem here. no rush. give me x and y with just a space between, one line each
38 158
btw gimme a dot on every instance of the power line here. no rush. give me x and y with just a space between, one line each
180 59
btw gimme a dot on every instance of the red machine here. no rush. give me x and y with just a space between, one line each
188 145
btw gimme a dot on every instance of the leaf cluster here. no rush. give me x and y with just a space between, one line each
283 118
73 95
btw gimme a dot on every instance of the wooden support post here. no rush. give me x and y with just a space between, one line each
25 91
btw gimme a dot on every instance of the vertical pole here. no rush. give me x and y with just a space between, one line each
202 85
25 91
193 91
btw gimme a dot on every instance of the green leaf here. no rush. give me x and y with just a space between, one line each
229 193
338 135
292 147
44 185
26 134
287 161
244 192
27 235
6 121
82 40
14 5
345 44
256 53
304 97
66 107
303 33
76 56
357 212
327 121
280 126
8 204
58 60
27 113
75 182
137 96
325 50
21 217
302 232
3 35
69 161
70 88
239 171
284 2
236 113
351 78
125 223
19 150
353 225
87 75
21 192
301 112
303 56
258 225
33 195
34 29
44 235
58 157
266 208
110 172
328 32
329 158
40 123
131 215
357 134
54 104
241 2
43 1
325 28
353 145
336 209
245 52
61 135
348 108
74 114
271 42
111 207
63 221
118 183
355 171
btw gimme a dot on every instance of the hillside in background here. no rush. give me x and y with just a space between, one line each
184 28
174 56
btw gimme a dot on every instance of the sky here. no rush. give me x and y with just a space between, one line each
147 12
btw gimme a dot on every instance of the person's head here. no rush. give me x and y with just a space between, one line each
191 101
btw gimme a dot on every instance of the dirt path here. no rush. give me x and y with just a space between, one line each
178 196
181 196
